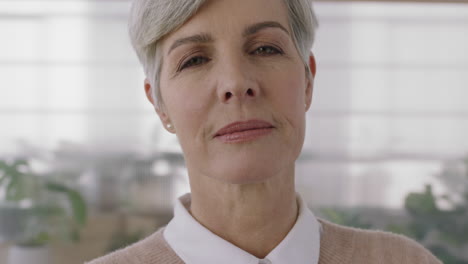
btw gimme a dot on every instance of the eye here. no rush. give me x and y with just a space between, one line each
267 50
194 61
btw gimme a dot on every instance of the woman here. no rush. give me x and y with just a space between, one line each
233 79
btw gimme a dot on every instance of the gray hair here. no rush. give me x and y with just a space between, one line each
151 20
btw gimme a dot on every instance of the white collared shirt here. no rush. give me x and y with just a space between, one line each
195 244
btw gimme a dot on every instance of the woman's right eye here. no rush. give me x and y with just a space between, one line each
194 61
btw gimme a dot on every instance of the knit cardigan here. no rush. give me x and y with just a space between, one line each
338 245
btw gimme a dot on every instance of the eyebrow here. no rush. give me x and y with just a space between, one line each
206 38
261 26
199 38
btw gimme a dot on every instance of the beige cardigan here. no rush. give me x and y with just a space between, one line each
338 245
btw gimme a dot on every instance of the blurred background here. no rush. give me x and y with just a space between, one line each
86 167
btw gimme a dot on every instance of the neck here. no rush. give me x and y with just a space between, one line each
254 217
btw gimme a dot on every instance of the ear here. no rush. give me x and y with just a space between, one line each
149 92
312 64
310 82
163 116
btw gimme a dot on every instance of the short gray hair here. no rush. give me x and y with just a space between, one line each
151 20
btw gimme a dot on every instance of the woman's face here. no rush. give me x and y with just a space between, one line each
235 61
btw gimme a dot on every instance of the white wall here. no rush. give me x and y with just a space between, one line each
390 98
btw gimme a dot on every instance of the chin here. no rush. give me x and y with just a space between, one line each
247 177
245 170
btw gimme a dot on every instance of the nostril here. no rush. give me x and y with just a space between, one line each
250 92
228 95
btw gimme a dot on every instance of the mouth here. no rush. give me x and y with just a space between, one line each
244 131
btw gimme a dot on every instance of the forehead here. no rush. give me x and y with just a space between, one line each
218 17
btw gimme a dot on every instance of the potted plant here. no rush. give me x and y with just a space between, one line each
34 209
443 230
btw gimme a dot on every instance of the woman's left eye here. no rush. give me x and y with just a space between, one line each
267 50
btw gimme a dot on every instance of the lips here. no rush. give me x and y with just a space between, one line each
243 126
243 131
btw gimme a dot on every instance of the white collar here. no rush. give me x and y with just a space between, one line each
195 244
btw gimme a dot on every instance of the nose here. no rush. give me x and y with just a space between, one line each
227 95
236 83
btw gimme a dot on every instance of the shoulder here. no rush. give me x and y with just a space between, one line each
369 246
153 249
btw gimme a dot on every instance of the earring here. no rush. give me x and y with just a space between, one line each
169 126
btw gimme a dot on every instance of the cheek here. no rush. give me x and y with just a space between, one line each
189 95
289 104
290 93
187 105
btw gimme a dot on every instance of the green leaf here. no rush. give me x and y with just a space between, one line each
75 235
401 229
40 240
57 187
14 190
422 203
16 181
342 217
444 255
3 174
77 202
79 207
